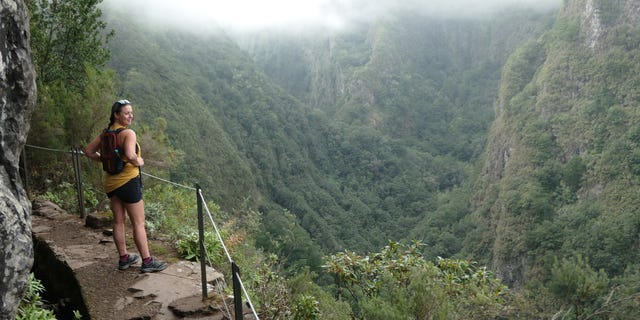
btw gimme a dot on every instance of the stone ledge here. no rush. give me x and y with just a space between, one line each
89 258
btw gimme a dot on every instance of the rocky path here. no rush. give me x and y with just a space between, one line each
79 263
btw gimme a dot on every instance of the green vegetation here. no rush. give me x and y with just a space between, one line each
398 283
189 247
575 154
68 45
506 144
31 306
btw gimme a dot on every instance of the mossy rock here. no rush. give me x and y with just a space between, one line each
99 220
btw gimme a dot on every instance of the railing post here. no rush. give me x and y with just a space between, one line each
237 291
75 157
203 265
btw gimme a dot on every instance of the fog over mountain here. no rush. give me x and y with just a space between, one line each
291 14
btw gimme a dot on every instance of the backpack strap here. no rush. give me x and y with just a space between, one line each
117 132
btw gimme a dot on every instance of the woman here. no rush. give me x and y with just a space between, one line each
124 189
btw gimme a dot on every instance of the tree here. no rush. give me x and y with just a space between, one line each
66 35
576 284
64 118
68 41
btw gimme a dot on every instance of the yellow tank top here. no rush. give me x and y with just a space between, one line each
115 181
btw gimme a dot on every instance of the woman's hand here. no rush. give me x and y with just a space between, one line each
91 150
139 162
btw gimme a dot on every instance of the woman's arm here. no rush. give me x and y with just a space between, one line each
129 146
92 149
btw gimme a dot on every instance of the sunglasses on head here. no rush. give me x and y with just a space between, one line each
123 102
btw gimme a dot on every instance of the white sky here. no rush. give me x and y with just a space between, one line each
256 14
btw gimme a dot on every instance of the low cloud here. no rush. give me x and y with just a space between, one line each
296 14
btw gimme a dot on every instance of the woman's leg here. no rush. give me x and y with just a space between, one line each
136 215
119 217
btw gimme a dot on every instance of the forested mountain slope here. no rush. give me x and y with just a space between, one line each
365 135
412 98
561 176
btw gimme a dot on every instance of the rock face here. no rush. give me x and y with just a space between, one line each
596 18
17 100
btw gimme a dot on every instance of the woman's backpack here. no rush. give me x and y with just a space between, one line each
112 163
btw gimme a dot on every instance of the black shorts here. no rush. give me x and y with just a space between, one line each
130 192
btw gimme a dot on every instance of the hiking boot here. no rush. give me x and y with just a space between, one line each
153 266
123 265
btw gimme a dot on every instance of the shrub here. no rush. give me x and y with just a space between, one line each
188 247
31 307
306 307
66 196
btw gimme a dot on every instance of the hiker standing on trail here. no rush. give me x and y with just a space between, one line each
123 184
